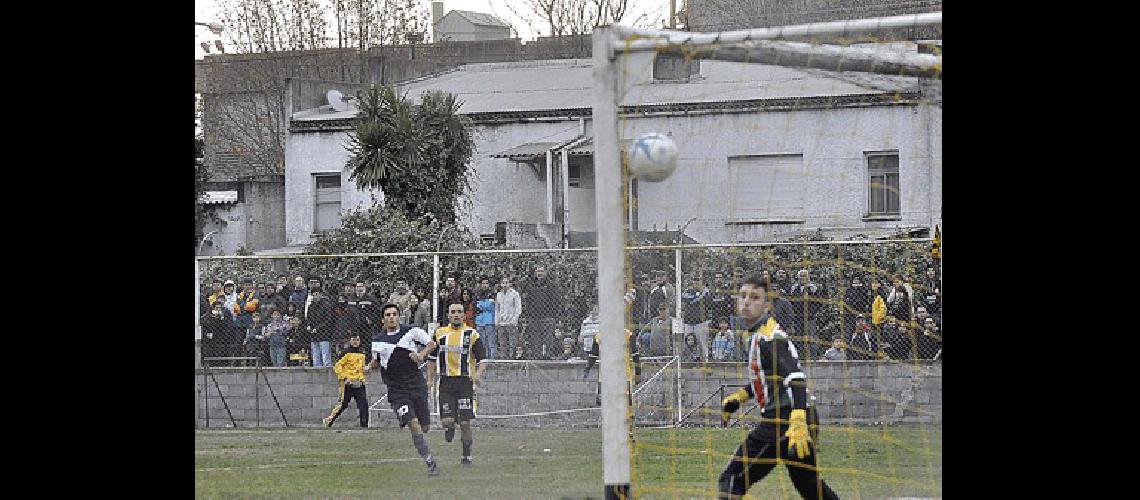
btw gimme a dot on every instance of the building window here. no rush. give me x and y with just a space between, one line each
327 209
581 172
766 188
883 183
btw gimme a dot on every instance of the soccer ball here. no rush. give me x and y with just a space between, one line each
653 157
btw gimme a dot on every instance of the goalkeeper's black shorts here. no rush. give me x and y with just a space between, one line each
456 398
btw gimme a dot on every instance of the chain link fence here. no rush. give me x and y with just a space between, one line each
837 300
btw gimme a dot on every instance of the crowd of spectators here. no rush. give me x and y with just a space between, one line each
869 301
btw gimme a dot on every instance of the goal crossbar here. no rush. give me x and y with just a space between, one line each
644 39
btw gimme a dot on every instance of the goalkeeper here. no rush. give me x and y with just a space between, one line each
780 389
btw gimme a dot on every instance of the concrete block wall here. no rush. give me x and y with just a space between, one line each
845 392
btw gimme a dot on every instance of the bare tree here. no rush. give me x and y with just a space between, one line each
273 25
572 17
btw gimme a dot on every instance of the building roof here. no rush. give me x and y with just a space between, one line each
478 18
566 84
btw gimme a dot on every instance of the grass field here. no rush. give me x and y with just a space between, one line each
858 462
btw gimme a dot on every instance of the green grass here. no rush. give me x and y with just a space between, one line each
858 462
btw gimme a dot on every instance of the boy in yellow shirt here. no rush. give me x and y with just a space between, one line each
350 376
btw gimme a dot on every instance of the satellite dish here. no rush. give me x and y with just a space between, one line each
338 101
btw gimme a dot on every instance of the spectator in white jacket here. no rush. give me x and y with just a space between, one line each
508 308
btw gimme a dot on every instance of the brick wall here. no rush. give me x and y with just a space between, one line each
848 392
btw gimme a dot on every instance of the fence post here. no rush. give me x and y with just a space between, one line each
434 294
197 314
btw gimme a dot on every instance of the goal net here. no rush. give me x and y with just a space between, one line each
808 154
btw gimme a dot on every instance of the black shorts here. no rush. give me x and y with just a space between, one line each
409 403
456 398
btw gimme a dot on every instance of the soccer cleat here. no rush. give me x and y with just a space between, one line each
449 434
327 421
465 461
433 469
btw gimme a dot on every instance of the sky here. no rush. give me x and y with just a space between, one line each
206 11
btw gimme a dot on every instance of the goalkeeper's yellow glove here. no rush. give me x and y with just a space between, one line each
797 433
731 404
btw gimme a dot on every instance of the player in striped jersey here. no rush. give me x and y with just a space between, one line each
460 365
780 389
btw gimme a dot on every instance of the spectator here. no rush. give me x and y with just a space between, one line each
485 316
248 303
521 349
724 346
441 302
692 350
408 314
807 299
343 319
276 333
229 299
468 302
660 334
298 338
836 352
856 300
298 297
542 305
402 297
254 341
931 281
365 312
423 313
863 343
721 304
900 303
283 288
932 300
591 325
640 302
694 308
319 325
783 283
879 305
930 341
568 352
217 332
454 294
275 298
215 294
662 292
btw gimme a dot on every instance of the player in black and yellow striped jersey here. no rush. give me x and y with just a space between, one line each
459 362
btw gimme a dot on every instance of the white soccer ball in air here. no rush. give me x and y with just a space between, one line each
653 157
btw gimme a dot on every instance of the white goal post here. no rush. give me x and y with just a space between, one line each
610 45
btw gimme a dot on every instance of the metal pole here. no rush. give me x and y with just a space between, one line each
549 187
206 387
677 288
256 395
611 271
566 195
660 38
678 391
434 292
197 313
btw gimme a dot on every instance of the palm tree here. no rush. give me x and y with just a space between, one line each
416 154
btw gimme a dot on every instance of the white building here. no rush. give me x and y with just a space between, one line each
466 26
766 151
